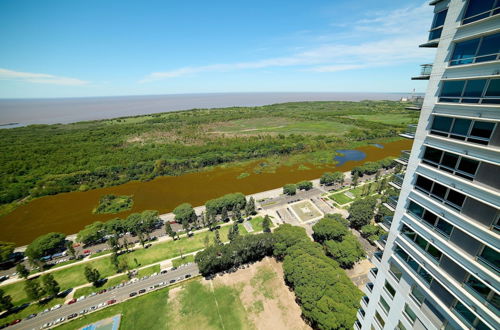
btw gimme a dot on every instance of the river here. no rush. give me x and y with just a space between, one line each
70 212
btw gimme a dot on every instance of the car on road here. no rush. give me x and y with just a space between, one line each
102 291
72 316
151 288
46 325
172 281
101 305
83 311
31 316
56 307
15 322
132 294
142 291
163 271
80 298
187 276
59 320
72 301
112 301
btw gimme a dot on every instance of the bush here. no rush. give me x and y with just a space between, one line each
289 189
304 185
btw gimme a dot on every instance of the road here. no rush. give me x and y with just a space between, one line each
119 294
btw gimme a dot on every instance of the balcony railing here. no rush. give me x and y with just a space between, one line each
392 201
410 131
369 286
387 221
404 157
416 103
378 255
425 72
383 240
398 180
374 271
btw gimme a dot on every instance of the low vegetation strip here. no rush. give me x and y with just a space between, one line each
113 204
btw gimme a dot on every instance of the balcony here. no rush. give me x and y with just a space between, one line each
391 203
369 286
404 157
374 272
425 72
417 102
365 300
361 312
397 181
378 255
386 223
410 132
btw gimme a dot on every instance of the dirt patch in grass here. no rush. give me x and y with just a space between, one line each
267 300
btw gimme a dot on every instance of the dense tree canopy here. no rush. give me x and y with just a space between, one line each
285 236
304 185
361 212
331 227
346 252
329 178
6 249
185 213
228 201
289 189
45 245
92 233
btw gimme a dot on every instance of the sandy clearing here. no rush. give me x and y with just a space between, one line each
268 301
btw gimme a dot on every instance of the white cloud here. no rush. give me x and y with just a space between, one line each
39 78
394 37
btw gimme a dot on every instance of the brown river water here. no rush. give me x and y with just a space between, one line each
70 212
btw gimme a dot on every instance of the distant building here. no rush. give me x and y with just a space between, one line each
439 266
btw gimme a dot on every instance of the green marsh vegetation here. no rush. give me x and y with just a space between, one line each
113 204
43 160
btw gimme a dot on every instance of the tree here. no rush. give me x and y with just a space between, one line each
92 275
361 212
229 201
266 224
33 289
355 179
285 236
22 271
234 232
186 226
304 185
6 249
329 228
169 231
250 207
236 213
5 301
329 178
115 262
185 213
44 245
346 252
206 241
70 249
92 234
217 240
224 215
372 232
289 189
50 285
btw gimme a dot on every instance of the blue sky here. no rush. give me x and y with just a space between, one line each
61 48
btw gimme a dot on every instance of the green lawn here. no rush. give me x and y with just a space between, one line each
392 119
187 259
74 276
340 198
144 312
257 223
148 271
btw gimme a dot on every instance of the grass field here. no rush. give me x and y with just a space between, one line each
340 198
281 125
257 223
305 210
89 289
393 119
148 271
181 261
144 312
74 276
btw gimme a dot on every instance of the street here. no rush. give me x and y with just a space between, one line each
119 294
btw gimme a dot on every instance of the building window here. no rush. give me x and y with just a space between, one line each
409 314
424 275
437 24
395 271
390 290
468 317
446 161
400 326
483 292
422 243
474 91
443 194
476 50
490 258
479 9
380 320
417 295
385 305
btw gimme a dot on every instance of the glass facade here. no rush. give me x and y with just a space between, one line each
449 162
437 191
474 91
437 24
479 9
476 50
468 130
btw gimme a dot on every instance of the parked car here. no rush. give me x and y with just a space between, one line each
72 301
56 307
31 316
163 271
15 322
142 291
132 294
112 301
72 316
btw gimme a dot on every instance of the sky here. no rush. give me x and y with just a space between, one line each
61 48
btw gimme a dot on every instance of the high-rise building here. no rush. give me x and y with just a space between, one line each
439 268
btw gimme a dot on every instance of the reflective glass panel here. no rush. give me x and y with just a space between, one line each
493 88
434 155
465 52
468 165
474 88
453 88
461 126
449 160
482 129
442 123
489 45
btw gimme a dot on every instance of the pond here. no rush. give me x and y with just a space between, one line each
349 155
70 212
